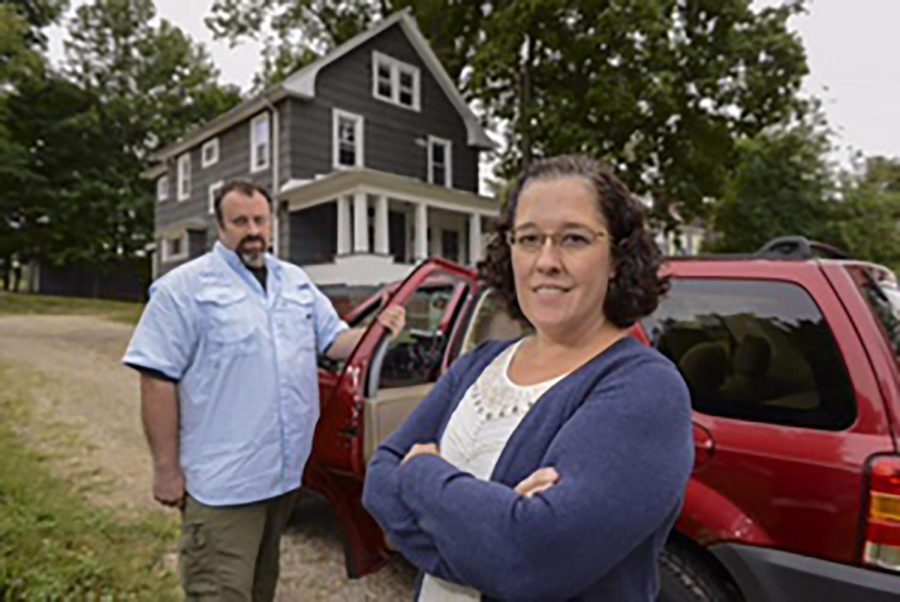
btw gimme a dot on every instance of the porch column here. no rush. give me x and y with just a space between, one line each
381 225
343 225
474 238
421 251
360 223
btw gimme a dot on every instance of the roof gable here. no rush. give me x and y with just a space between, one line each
303 82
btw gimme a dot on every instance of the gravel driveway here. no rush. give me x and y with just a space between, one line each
81 383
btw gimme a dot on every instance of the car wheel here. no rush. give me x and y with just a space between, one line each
686 577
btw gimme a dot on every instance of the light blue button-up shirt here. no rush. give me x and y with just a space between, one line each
245 362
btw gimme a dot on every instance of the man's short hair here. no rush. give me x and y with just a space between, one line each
245 187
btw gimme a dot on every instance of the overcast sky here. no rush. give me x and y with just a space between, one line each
852 46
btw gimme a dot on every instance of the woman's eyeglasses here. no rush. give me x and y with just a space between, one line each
571 239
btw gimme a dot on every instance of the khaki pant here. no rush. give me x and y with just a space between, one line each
230 553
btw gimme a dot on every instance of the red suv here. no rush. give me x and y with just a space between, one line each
792 362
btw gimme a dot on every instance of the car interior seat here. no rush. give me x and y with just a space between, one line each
705 367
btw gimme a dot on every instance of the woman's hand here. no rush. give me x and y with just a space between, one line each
422 449
540 480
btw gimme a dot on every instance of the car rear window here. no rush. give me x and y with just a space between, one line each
884 301
755 350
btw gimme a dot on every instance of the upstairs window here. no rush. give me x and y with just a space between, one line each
439 162
162 189
395 82
347 139
184 177
209 154
259 143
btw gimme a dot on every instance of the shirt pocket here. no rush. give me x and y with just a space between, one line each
231 329
298 315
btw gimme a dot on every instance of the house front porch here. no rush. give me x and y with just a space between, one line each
359 227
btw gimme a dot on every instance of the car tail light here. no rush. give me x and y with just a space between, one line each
882 546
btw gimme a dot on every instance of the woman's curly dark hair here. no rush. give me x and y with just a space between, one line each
635 290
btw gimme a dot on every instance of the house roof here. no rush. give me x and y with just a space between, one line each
302 84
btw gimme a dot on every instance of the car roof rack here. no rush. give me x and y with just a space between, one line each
799 247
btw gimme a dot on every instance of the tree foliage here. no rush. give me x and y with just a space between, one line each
867 220
782 186
38 14
71 183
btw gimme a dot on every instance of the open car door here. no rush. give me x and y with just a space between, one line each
381 383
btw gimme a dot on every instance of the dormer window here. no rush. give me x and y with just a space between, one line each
395 82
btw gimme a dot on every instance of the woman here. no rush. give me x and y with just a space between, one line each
553 467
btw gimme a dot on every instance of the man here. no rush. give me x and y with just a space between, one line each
227 348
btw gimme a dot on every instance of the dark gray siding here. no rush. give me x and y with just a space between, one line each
390 131
234 163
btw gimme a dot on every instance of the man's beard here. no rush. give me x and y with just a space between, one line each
251 258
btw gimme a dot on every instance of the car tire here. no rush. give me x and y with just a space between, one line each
687 577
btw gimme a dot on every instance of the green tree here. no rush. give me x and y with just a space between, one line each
38 14
148 83
782 186
866 221
21 43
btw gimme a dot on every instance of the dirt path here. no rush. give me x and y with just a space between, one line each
73 372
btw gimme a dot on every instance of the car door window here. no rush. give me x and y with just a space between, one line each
415 356
491 321
754 350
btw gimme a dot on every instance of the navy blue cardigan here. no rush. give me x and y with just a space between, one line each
618 431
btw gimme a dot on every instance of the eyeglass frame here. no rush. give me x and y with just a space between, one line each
555 238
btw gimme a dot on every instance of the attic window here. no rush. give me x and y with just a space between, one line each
395 82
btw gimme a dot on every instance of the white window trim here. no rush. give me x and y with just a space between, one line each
184 174
166 256
210 144
448 157
213 189
396 66
264 116
336 115
162 188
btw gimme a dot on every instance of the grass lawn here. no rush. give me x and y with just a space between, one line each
54 545
22 303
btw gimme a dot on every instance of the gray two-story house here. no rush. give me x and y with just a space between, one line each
371 155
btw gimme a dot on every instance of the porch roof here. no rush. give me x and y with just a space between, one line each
304 193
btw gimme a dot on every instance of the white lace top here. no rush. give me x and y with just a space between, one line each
475 435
